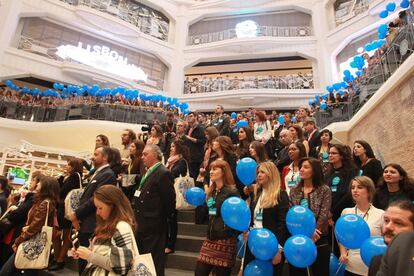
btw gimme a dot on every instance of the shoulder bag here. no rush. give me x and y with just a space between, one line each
72 199
181 185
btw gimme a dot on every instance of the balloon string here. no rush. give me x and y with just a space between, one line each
339 268
307 269
333 239
242 261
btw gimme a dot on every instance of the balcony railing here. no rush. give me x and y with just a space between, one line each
107 112
270 31
398 50
144 18
206 84
350 9
41 48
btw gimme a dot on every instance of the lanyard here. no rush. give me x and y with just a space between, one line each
141 183
366 213
130 167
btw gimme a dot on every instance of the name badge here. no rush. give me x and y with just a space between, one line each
212 211
259 216
334 189
291 184
137 193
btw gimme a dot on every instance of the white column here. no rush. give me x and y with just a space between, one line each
322 66
175 79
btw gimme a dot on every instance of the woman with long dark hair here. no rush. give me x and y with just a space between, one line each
62 243
133 168
296 133
322 152
366 162
156 137
177 164
311 192
46 199
290 173
5 190
269 207
257 150
112 246
218 251
245 136
394 185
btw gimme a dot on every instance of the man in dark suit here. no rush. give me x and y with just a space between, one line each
399 258
398 218
221 122
84 218
154 202
195 140
312 132
282 160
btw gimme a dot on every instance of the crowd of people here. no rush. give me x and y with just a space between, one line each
205 83
130 192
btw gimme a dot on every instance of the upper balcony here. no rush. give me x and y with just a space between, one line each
146 19
283 24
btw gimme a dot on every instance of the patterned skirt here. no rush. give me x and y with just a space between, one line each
218 252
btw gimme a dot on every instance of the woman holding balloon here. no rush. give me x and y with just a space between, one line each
312 193
218 251
363 190
269 207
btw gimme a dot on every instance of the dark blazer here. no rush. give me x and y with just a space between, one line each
373 169
197 148
399 258
374 265
274 218
156 202
179 168
222 124
86 212
314 141
282 159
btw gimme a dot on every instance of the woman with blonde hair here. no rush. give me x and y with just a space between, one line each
218 251
269 208
113 245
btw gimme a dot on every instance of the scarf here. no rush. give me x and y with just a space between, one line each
172 160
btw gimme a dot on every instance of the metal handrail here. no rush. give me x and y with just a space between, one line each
269 31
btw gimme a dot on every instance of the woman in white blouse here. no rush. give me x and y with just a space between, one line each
362 190
262 128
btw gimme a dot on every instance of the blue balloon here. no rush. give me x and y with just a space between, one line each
300 251
323 106
383 14
310 102
236 214
351 231
195 196
371 247
258 268
330 88
242 123
337 86
390 6
241 246
262 243
358 73
383 29
233 115
347 72
301 221
335 267
281 119
404 4
246 170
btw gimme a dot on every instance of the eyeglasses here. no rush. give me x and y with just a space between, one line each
333 153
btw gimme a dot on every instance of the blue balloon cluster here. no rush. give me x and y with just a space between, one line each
96 91
301 221
404 4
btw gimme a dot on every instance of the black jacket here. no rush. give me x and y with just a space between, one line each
383 197
216 229
86 212
156 202
197 148
373 169
314 141
179 168
222 124
282 159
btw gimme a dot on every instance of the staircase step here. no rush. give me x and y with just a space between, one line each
182 260
189 243
191 229
186 216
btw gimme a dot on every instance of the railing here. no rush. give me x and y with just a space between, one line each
271 31
41 48
106 112
206 85
350 9
144 18
401 47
